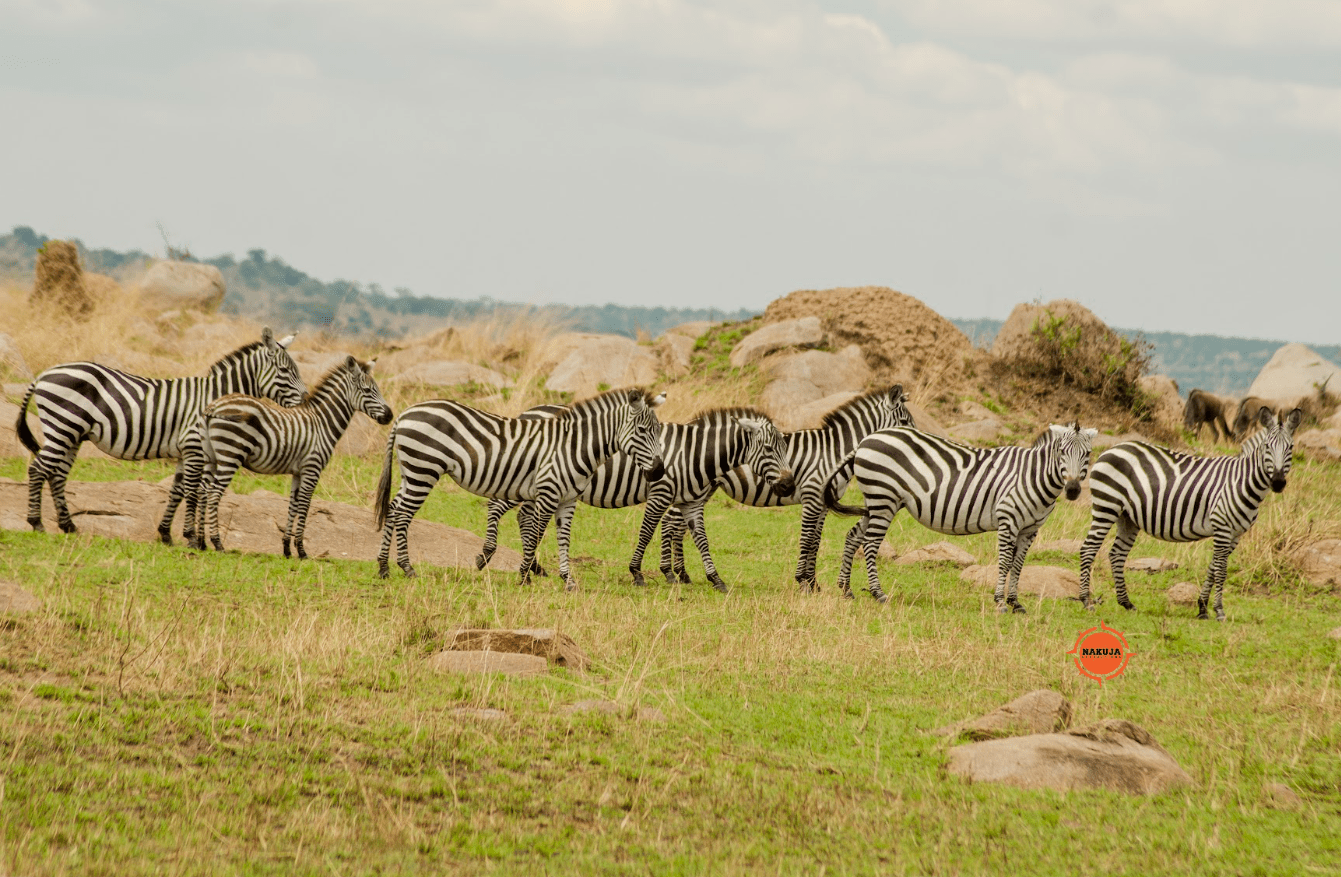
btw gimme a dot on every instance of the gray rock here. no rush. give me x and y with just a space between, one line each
803 332
608 707
14 600
506 663
12 363
1320 562
693 330
801 379
1038 712
674 353
1166 404
1150 565
986 430
557 648
1324 444
1045 581
936 552
924 422
488 715
1113 755
170 285
1281 797
1183 594
603 361
1293 372
448 373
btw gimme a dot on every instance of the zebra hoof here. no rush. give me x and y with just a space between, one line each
302 554
286 548
847 594
538 570
685 579
218 544
1127 604
570 584
1018 609
383 571
69 527
669 575
638 578
37 525
481 561
1002 608
409 571
718 585
165 536
1220 616
879 595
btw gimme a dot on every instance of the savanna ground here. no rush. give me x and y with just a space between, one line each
174 712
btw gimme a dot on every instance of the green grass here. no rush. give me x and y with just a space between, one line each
168 712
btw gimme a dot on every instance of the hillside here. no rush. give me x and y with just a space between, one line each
264 287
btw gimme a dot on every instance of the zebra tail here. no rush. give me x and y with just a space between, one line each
842 473
25 434
382 499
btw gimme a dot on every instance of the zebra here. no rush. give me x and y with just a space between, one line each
545 461
236 431
696 454
812 455
1184 498
955 489
136 418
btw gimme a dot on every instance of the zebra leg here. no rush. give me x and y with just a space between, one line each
400 511
37 474
528 510
1022 544
1006 539
874 526
1127 531
672 528
497 508
1215 576
850 543
657 503
174 500
300 502
563 528
57 482
693 516
224 471
1100 523
812 529
678 528
532 531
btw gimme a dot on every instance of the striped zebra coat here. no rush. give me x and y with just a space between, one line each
696 455
137 418
545 461
812 455
243 431
955 489
1184 498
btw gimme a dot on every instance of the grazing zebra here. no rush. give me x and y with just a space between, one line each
952 488
812 455
137 418
1183 498
236 431
697 454
544 461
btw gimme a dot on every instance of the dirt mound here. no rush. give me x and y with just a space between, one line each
60 279
902 338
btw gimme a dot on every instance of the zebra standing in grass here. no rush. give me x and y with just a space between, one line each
696 455
812 455
137 418
959 490
544 461
238 431
1183 498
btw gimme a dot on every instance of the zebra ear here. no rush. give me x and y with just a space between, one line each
1293 419
368 366
657 401
287 339
1266 417
267 337
1089 433
753 424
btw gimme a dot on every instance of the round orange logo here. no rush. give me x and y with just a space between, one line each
1101 653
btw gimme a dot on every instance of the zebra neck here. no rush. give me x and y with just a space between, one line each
1250 474
233 376
331 401
590 440
849 432
1040 460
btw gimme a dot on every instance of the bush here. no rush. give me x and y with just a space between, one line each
1094 358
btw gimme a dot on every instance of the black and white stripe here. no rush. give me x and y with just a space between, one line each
1184 498
546 461
243 431
696 454
955 489
137 418
812 455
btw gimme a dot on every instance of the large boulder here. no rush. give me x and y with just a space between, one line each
601 362
901 338
1166 406
771 337
170 284
59 280
1045 581
801 378
1324 444
1295 372
675 354
1038 712
988 429
12 364
255 522
1113 755
1064 339
442 373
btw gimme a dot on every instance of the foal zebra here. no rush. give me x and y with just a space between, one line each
545 461
812 455
697 454
952 488
137 418
237 431
1184 498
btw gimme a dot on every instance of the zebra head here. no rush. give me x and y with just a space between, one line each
1070 454
1274 450
639 431
277 376
894 407
766 454
368 397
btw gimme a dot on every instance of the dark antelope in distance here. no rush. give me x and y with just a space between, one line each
1203 407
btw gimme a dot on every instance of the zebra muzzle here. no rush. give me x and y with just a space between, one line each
1277 484
785 485
1072 489
658 469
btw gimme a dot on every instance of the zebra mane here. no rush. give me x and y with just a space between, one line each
1047 434
732 412
833 417
236 356
607 399
341 367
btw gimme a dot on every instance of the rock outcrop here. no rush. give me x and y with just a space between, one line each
59 280
173 285
1320 562
1294 372
772 337
799 379
595 363
1038 712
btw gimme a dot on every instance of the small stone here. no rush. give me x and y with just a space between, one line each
938 552
608 707
557 648
1151 565
1045 581
1335 633
488 715
651 714
16 601
1183 594
507 663
1281 796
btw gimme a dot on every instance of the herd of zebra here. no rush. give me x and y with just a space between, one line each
253 410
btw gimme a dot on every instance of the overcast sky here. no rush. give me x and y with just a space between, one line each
1173 164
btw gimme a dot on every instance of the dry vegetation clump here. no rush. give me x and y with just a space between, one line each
59 282
902 338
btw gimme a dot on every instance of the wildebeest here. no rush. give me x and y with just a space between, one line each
1246 418
1203 407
